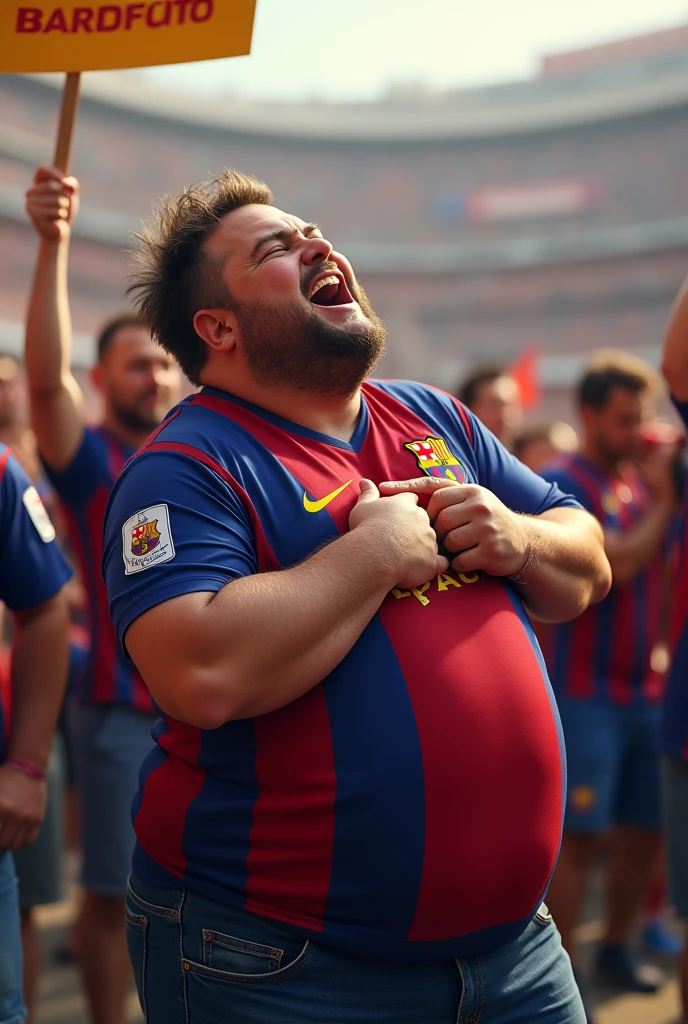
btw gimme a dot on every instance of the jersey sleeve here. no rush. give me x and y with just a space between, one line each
77 483
172 527
32 567
514 484
558 475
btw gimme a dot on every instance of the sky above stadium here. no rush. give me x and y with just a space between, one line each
354 49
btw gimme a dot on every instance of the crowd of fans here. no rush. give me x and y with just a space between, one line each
608 666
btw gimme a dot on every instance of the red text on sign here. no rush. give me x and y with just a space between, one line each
114 17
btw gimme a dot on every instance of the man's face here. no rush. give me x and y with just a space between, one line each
616 427
498 406
303 321
140 381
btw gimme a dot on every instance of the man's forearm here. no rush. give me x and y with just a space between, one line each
675 353
631 551
568 567
48 323
40 658
263 641
55 396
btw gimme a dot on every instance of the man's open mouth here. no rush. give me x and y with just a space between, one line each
330 290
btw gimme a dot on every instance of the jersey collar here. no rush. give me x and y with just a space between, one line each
354 445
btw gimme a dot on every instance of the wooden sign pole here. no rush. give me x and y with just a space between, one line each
65 131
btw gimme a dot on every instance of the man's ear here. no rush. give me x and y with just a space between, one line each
217 328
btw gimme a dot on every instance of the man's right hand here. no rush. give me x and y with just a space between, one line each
52 203
404 535
658 474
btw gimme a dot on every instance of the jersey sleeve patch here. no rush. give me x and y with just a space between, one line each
147 539
38 515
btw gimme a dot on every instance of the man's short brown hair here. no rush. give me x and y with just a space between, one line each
176 276
610 368
111 329
468 390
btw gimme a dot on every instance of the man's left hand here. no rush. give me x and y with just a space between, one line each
22 807
472 523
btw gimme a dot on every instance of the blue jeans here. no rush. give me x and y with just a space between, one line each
12 1009
200 962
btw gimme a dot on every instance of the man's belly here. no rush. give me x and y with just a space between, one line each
416 794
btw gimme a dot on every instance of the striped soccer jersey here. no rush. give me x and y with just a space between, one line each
410 806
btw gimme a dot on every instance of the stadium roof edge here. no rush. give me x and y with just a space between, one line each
534 105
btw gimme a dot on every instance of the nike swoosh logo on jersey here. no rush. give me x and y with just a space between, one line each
321 503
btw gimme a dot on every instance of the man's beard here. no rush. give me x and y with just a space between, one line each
297 350
613 454
139 420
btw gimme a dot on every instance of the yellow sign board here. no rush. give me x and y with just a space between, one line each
90 35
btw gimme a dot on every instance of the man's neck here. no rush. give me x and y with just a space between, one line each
126 436
596 458
335 417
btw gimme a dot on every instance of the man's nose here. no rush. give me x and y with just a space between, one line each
316 250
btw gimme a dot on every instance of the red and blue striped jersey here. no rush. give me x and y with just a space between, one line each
410 806
605 654
674 732
32 567
108 677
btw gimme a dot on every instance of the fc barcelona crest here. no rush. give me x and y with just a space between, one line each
147 539
145 536
435 459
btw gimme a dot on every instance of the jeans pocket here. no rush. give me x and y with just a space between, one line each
228 958
238 956
137 927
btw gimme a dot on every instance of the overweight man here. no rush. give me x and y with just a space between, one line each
355 801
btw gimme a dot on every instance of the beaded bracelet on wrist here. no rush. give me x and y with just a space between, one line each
26 766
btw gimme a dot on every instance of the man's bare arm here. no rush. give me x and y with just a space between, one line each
263 641
40 656
570 570
560 553
54 394
40 659
630 551
675 354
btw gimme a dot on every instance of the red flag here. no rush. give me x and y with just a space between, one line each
525 370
